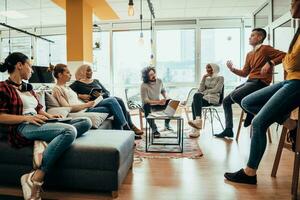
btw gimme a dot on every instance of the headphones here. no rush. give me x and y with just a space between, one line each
23 87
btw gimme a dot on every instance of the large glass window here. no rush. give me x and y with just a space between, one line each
280 7
261 18
218 46
20 44
57 50
175 50
130 56
282 37
101 55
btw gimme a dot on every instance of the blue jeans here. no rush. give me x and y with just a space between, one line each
270 104
114 108
59 137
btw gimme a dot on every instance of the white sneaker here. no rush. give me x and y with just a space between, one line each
38 150
197 123
195 133
31 189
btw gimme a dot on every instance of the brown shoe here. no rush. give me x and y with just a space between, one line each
136 130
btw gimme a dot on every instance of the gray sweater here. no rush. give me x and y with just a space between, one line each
211 88
151 91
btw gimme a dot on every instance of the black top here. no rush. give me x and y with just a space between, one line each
86 88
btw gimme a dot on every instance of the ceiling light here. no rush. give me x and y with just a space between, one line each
130 8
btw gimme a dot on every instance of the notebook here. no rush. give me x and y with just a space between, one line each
97 100
169 111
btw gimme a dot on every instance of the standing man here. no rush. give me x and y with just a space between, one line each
151 89
259 67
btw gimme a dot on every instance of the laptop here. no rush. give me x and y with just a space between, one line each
169 111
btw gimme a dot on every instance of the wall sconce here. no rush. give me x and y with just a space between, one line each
130 8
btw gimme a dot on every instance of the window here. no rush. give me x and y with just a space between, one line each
280 8
282 37
101 55
20 44
176 55
261 18
218 46
129 58
57 50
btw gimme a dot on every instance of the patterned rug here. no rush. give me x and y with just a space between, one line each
191 148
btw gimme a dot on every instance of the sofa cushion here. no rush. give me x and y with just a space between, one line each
50 101
96 118
97 149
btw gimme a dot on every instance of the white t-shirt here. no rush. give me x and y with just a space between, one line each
29 102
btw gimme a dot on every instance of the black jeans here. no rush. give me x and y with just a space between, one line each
237 95
147 110
198 103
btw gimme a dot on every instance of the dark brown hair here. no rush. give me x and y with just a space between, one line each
11 60
145 73
58 69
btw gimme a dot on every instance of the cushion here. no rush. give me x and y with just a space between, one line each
96 118
41 98
63 111
50 101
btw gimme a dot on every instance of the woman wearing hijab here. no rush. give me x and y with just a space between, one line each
88 89
209 94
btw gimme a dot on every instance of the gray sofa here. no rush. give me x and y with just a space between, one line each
98 161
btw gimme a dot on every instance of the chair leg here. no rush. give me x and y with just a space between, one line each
219 119
141 119
211 121
187 114
239 127
295 175
204 118
279 152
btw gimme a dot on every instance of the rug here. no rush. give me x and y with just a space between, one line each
191 148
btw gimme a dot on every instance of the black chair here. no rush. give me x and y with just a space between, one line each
213 112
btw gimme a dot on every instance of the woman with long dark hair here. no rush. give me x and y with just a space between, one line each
25 121
271 104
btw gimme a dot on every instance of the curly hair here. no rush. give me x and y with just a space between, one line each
145 73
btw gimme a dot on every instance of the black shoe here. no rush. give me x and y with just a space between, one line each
248 120
156 134
168 127
226 133
241 177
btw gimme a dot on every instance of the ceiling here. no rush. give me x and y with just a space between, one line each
42 13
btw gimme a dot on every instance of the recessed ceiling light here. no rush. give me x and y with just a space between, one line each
13 14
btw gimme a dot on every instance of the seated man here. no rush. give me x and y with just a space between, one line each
151 89
258 65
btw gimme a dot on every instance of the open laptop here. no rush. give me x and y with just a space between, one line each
169 111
